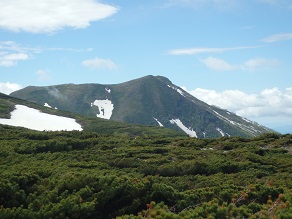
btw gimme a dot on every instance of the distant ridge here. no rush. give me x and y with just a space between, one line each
150 100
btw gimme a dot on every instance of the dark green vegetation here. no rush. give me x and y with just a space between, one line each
143 100
90 175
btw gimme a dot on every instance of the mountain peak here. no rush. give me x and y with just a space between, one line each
150 100
164 79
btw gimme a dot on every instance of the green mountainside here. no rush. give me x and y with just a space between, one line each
96 176
148 101
92 124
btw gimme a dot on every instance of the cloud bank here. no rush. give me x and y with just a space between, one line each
8 87
48 16
267 103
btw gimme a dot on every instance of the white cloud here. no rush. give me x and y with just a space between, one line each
8 87
11 53
258 63
277 37
48 16
255 64
8 60
99 63
267 103
11 46
43 75
194 51
218 64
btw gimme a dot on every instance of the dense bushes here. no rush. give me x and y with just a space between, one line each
86 175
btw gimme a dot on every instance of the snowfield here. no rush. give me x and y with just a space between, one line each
190 132
159 123
27 117
105 108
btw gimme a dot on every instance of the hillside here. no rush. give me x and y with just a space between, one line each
90 175
150 100
17 112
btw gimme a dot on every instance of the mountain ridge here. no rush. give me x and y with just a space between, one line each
150 100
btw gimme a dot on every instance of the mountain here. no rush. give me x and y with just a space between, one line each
150 100
21 113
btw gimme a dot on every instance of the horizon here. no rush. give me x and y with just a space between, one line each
233 54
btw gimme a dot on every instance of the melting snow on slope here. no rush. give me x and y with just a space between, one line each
47 105
221 132
159 123
246 128
247 120
105 108
178 90
191 133
34 119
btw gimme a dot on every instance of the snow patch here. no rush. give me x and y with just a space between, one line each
246 128
190 132
221 132
108 90
27 117
178 90
47 105
159 123
105 108
224 118
247 120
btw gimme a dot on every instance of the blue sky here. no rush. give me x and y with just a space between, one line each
235 54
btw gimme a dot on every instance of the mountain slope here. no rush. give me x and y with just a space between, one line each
21 113
149 100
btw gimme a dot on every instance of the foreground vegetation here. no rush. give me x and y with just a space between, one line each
90 175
